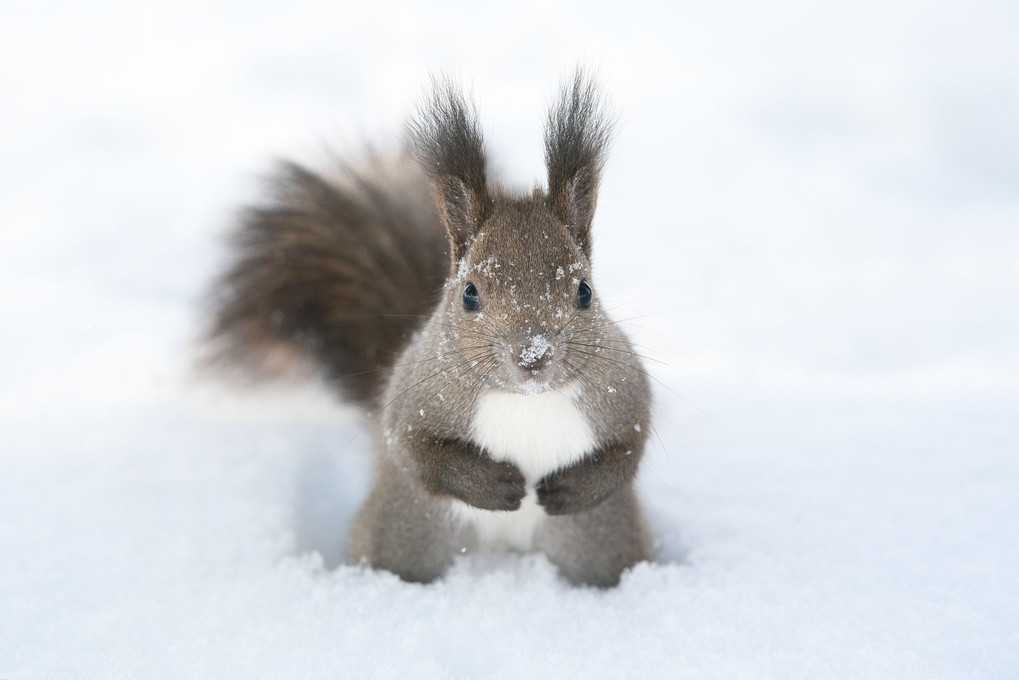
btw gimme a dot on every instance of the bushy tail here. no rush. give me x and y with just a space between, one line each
338 271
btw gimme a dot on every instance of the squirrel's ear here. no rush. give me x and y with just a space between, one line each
447 141
577 135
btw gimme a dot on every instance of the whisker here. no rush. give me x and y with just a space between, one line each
614 349
461 329
613 322
493 336
410 413
642 371
624 304
608 342
475 387
375 415
597 355
569 322
654 403
611 368
411 363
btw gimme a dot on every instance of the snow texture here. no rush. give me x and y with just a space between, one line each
807 224
537 349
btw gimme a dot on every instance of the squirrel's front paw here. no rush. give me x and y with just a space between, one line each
502 488
477 479
578 487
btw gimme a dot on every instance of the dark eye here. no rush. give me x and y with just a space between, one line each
472 302
583 295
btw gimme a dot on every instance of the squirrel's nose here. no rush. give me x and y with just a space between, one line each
534 365
536 354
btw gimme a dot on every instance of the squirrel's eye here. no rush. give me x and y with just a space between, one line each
472 302
583 295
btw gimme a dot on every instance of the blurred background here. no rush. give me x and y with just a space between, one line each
807 198
809 219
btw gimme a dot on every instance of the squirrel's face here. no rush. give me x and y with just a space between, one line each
522 302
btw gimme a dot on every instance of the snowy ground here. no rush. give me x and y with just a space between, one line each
810 213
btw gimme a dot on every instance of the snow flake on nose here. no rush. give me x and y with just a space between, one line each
539 347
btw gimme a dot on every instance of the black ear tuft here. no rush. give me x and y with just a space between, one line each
446 139
577 135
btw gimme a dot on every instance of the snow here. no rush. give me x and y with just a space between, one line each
807 222
537 349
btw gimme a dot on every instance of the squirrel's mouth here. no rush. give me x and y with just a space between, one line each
531 368
536 385
529 380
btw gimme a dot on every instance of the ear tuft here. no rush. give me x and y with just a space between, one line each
577 136
446 139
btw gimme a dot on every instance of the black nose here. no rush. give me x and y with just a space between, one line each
534 364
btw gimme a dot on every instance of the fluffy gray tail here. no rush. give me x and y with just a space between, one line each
338 271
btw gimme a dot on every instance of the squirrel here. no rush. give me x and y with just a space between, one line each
508 409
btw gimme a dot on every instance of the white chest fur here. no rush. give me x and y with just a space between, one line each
539 434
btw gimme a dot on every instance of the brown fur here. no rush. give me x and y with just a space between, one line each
351 276
338 272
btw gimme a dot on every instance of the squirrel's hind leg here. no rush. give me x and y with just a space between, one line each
403 529
594 547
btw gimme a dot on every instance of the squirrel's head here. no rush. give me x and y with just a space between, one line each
520 305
